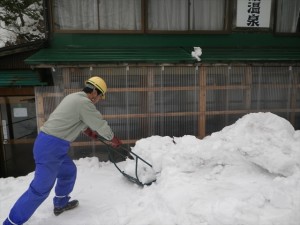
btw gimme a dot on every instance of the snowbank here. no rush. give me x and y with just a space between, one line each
248 173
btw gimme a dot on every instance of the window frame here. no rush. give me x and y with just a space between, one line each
55 30
144 24
226 29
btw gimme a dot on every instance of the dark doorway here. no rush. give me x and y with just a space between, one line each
18 132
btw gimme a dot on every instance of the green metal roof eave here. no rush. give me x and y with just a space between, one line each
10 78
251 54
229 40
161 55
110 55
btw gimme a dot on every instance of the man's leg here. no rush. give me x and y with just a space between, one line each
47 155
65 182
37 192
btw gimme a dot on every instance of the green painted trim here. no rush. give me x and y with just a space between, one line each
110 55
162 55
234 40
10 78
158 48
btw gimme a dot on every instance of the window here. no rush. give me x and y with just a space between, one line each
97 15
288 16
180 15
128 15
168 15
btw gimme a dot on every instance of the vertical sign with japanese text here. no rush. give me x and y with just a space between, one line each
253 13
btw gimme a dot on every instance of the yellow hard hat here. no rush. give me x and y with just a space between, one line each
98 83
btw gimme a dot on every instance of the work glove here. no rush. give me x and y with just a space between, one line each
90 133
115 142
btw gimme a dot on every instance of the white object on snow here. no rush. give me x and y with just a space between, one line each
197 53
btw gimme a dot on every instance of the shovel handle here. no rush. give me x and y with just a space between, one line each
103 140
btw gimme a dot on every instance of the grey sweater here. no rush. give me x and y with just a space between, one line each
74 114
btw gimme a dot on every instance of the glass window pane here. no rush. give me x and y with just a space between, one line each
120 14
75 15
183 15
288 16
207 14
88 15
168 15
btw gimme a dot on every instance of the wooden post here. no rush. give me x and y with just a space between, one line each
202 102
40 111
66 78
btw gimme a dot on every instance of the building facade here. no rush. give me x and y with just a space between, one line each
250 62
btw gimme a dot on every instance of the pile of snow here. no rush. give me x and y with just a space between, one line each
197 53
248 173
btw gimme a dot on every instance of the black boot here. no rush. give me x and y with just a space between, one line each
71 205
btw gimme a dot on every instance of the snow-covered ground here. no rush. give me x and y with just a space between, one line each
246 174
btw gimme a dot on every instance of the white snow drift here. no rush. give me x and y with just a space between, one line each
248 173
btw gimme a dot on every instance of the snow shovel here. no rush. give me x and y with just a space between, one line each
129 155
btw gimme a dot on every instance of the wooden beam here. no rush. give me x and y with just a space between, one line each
250 111
98 143
16 99
40 111
15 91
202 103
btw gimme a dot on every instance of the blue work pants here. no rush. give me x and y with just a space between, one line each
52 164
